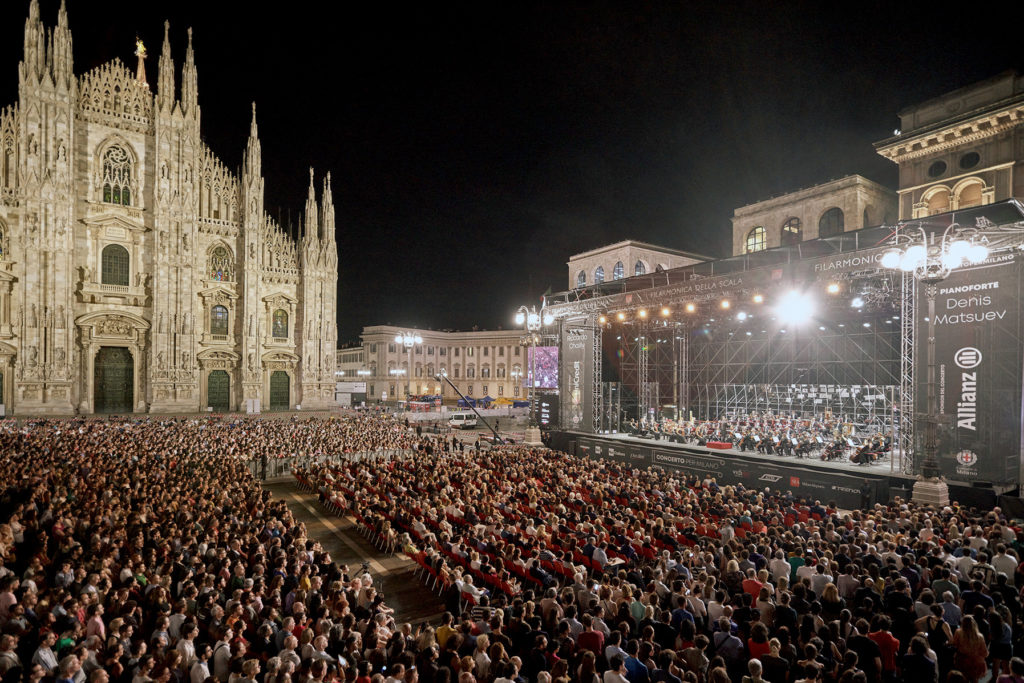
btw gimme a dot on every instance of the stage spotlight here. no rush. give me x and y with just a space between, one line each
795 307
602 320
821 327
867 324
748 334
758 299
891 258
725 303
857 302
741 316
665 312
621 316
643 313
833 288
691 307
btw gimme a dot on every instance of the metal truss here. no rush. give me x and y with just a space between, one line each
905 418
597 404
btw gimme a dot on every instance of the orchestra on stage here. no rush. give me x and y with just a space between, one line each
825 437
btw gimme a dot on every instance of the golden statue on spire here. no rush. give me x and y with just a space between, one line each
140 52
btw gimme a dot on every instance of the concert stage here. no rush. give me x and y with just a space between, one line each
849 486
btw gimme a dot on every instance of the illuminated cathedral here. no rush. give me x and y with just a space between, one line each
137 273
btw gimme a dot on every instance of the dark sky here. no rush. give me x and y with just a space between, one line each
475 146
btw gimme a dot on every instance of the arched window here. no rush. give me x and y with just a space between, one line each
117 176
831 223
222 266
280 323
619 271
599 275
639 268
969 195
661 268
485 372
792 232
581 278
115 266
219 320
755 240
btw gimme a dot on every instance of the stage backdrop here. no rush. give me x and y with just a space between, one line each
978 351
577 375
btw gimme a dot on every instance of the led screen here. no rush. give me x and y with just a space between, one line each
546 367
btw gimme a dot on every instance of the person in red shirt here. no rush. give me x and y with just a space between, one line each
590 639
752 587
887 643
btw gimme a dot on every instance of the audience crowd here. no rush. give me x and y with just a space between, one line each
145 550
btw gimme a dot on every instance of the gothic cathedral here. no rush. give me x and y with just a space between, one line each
137 273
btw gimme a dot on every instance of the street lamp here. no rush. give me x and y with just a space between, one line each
408 340
931 258
532 321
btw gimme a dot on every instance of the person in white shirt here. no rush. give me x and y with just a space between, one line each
1005 563
779 567
617 671
200 669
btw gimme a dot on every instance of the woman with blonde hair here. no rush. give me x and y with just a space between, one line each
971 651
481 659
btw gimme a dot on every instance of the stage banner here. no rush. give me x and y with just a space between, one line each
577 375
978 350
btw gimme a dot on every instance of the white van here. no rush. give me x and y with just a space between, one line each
462 420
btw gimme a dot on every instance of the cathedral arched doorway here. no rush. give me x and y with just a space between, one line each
218 391
280 396
113 380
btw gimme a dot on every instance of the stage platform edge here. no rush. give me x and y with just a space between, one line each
848 489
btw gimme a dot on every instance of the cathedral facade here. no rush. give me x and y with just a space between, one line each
137 273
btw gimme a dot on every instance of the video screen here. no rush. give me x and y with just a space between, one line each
546 366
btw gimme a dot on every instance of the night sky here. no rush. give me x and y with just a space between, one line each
474 147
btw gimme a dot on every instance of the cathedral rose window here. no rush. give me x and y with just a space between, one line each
117 175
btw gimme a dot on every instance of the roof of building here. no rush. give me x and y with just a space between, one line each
639 245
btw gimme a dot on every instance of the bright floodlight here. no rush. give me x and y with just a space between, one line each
891 258
418 339
958 249
795 307
857 302
833 288
914 256
548 318
520 318
533 319
741 316
976 253
398 339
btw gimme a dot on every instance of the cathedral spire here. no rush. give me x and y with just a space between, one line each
165 80
327 212
63 64
35 45
252 161
312 225
189 86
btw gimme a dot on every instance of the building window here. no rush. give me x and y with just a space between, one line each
501 372
501 390
755 240
661 268
373 348
442 351
419 370
419 351
969 195
487 350
117 175
391 348
581 278
470 372
430 350
222 267
501 349
792 232
456 375
469 351
639 268
599 275
865 224
969 160
518 350
115 265
456 352
515 391
485 371
619 271
280 324
218 320
371 390
485 390
937 169
831 223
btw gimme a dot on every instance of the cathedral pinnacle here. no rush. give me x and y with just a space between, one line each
327 212
165 80
252 162
312 223
189 84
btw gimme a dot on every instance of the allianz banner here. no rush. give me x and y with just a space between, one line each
577 376
978 371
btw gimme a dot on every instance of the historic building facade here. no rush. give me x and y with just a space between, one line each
628 258
137 273
479 362
961 149
825 210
